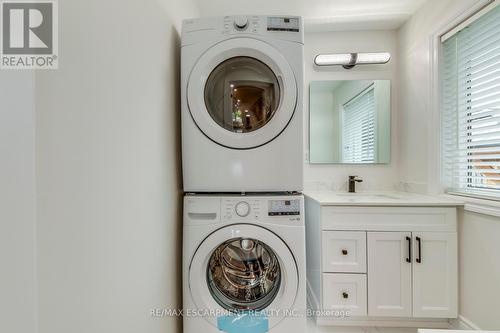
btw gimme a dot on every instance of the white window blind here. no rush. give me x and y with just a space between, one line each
358 128
470 104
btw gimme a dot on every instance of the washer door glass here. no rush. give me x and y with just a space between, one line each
242 94
243 274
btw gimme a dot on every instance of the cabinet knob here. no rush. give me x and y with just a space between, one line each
344 252
345 295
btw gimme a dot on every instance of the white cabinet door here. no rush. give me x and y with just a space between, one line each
435 275
389 274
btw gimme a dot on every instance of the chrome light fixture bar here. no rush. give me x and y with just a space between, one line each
349 60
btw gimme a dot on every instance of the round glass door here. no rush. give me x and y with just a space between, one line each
243 274
240 267
242 94
242 102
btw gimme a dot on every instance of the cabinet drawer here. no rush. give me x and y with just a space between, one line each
344 251
345 292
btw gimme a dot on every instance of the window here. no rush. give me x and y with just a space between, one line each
358 130
470 104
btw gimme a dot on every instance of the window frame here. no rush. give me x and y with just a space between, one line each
435 167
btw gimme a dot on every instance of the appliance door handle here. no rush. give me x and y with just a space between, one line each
408 259
418 259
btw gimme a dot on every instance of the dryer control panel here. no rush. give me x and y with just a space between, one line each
259 24
213 29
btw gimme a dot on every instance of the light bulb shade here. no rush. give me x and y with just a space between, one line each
351 59
333 59
373 58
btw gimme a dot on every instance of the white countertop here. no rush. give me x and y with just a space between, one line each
380 198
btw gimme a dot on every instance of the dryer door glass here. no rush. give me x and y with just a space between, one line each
243 274
242 94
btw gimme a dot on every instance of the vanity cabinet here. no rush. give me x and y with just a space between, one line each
412 274
382 265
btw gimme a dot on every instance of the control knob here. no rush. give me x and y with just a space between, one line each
241 22
242 209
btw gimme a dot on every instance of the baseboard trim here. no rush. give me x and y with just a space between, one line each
385 322
462 323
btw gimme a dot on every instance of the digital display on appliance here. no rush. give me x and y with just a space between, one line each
283 24
284 207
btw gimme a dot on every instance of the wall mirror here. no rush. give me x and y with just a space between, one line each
350 121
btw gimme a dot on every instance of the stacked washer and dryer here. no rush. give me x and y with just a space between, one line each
242 151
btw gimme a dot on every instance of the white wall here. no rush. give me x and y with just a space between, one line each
108 170
480 269
331 176
478 234
17 203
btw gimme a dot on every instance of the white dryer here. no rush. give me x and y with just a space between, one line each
242 108
244 255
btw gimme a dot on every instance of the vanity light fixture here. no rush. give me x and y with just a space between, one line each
349 60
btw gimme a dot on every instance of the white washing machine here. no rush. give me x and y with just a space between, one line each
242 108
244 264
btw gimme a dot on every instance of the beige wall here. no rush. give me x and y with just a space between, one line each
479 244
108 171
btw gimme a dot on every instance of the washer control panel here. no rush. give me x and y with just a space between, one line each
260 209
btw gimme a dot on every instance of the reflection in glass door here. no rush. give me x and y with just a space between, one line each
242 94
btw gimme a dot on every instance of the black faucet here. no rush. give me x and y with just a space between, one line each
352 183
